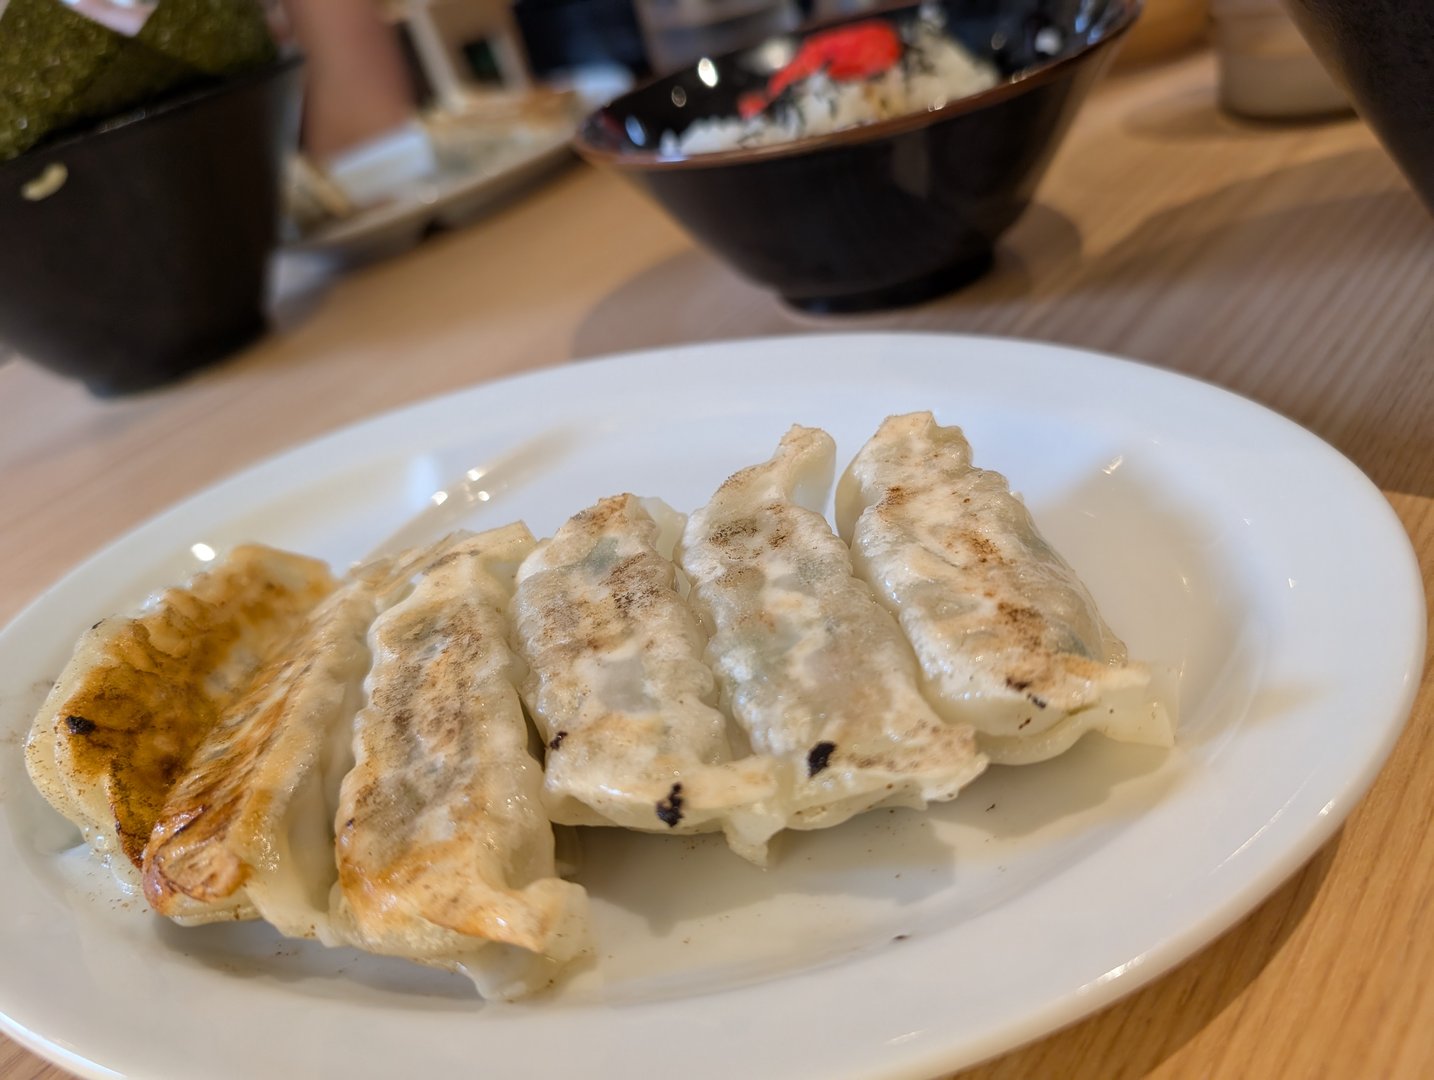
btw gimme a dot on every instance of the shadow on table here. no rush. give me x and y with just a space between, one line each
1191 115
1133 1037
694 297
1330 262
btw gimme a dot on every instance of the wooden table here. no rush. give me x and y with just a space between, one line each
1288 263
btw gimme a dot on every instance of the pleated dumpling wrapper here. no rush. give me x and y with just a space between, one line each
813 668
619 689
139 694
248 829
445 855
1009 639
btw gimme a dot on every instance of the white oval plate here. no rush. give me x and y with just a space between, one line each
1218 538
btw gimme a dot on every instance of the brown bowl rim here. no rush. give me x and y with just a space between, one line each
651 160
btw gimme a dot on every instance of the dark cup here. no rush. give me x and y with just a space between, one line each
1382 53
136 250
884 214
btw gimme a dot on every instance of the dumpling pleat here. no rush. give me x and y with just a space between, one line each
445 855
814 669
620 691
248 829
1008 638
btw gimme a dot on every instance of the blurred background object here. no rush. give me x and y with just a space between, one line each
454 123
1382 53
426 115
156 228
357 86
594 46
464 44
1165 28
823 10
1267 70
361 135
64 63
885 212
679 32
141 199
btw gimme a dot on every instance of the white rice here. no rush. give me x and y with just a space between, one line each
934 70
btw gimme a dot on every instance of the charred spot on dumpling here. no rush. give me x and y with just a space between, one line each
1017 685
402 721
601 513
819 757
446 559
1038 702
731 532
1024 623
78 725
631 589
981 546
739 577
669 810
557 740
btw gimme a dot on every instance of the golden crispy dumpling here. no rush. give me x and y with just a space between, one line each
140 693
445 855
248 828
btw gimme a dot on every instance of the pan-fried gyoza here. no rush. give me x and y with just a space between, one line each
814 669
247 830
140 693
349 759
620 692
1009 639
445 855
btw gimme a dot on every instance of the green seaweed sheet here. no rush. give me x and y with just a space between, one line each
59 69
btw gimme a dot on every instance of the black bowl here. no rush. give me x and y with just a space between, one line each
1382 52
888 213
136 250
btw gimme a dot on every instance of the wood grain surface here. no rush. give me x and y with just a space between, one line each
1288 263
